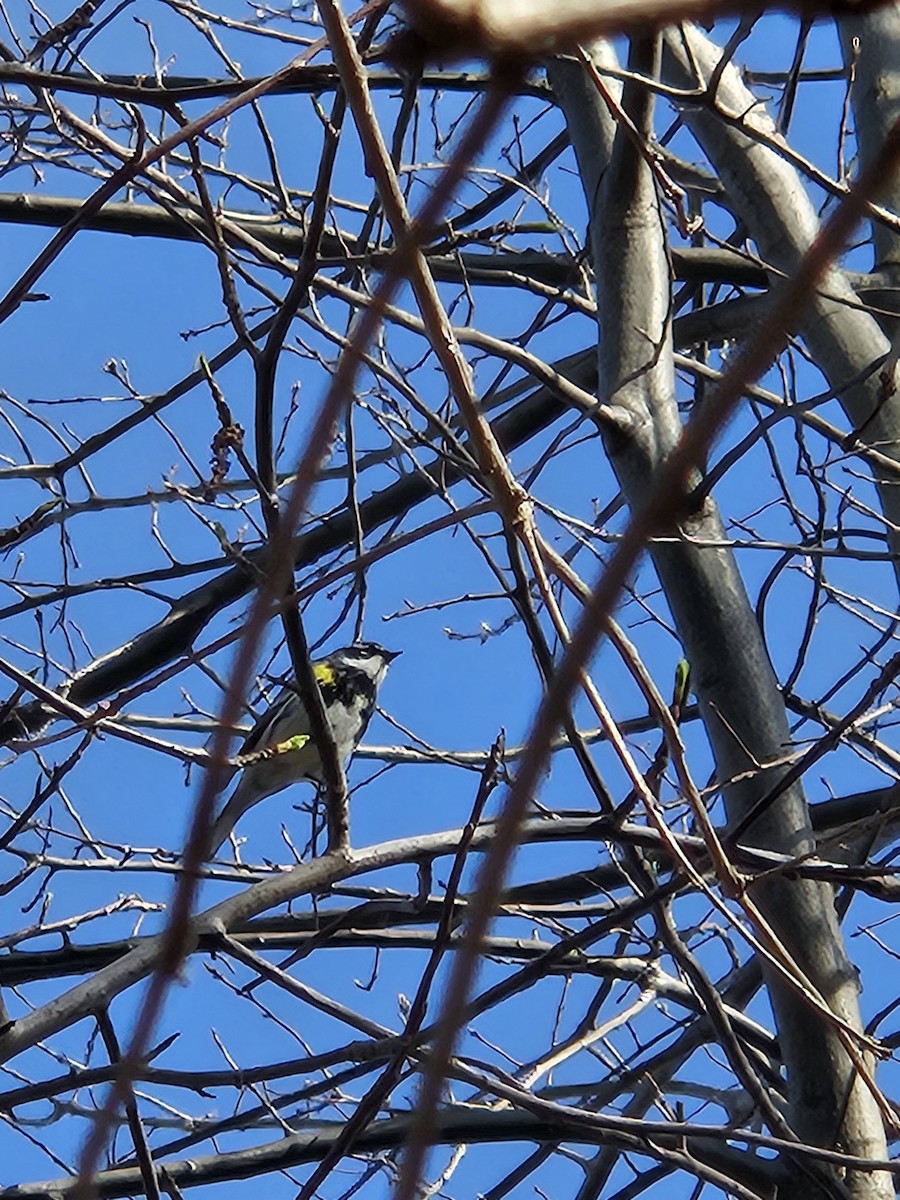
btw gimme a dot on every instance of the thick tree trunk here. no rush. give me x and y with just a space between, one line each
766 193
742 706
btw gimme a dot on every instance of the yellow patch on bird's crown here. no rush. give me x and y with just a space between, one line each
325 674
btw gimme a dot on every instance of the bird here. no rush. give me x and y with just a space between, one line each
349 680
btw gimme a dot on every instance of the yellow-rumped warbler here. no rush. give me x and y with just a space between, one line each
349 680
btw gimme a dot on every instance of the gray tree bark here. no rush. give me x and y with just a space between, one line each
743 711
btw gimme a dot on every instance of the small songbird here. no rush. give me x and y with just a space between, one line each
349 680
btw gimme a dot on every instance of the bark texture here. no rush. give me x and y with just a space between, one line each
746 722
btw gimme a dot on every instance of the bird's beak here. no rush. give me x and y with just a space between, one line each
390 655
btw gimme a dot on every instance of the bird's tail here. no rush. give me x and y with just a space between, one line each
244 796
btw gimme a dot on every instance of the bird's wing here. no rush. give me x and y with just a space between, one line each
267 720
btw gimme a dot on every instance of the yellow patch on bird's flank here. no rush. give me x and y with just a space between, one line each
325 674
295 743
